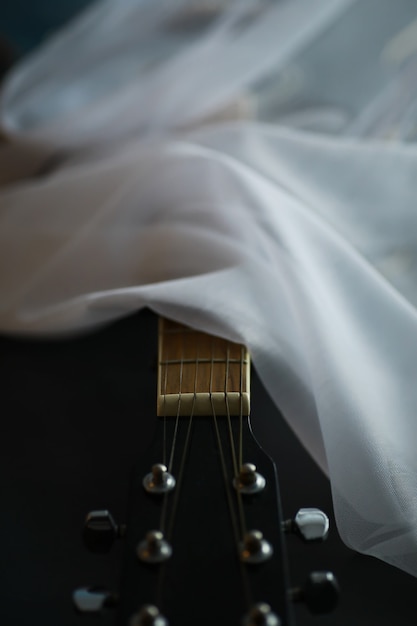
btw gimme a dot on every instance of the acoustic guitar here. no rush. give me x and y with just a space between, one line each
204 534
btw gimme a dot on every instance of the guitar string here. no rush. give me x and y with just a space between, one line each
242 360
229 422
221 453
244 574
177 419
232 443
184 454
162 572
176 427
164 443
223 461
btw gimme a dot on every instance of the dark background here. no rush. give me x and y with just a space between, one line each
77 414
28 24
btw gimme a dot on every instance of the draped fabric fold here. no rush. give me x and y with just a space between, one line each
301 245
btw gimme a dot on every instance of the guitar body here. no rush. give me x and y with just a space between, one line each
77 415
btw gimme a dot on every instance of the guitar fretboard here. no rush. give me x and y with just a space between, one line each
200 374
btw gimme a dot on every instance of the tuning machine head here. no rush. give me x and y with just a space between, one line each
249 481
310 524
255 548
261 614
149 615
101 531
154 548
159 480
93 599
320 592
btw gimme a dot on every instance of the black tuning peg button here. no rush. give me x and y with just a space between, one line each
320 593
93 599
101 531
310 524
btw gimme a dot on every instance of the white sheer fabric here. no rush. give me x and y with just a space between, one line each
300 245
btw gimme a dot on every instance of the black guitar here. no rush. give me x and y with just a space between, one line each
204 531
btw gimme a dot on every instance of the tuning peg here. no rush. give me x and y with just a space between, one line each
320 592
254 548
310 524
93 599
261 615
154 548
148 615
249 481
100 531
159 480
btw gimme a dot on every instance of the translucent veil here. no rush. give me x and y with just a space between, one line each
134 178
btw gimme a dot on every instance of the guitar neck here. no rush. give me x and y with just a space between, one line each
200 374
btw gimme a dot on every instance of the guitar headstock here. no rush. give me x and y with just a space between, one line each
204 534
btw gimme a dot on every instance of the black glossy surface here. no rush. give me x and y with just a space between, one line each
321 592
75 419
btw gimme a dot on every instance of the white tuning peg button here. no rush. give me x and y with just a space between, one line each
93 599
310 524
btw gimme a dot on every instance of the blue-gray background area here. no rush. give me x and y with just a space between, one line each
25 25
